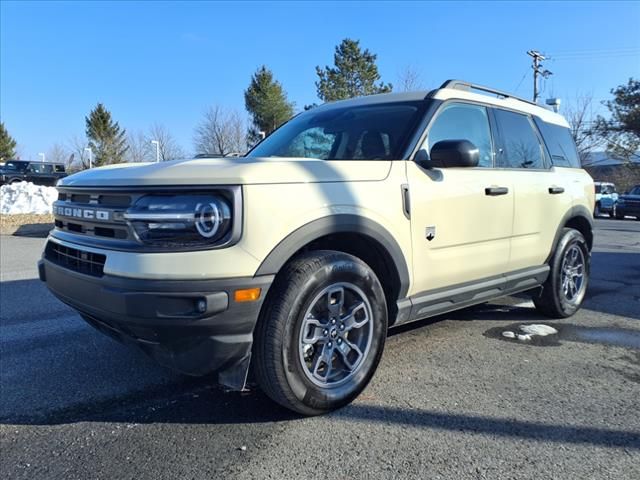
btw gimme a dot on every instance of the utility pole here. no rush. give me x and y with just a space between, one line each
538 69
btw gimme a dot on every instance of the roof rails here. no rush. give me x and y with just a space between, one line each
467 86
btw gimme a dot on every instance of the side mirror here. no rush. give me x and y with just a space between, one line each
454 153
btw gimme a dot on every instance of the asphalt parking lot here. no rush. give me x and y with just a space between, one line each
452 398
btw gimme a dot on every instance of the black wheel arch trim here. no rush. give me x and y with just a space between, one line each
339 223
577 211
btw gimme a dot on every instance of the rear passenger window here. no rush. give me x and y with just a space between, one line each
460 121
560 143
520 147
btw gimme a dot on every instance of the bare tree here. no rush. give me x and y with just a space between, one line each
220 132
58 154
167 145
579 114
139 147
410 80
79 157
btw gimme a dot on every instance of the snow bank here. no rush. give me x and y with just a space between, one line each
25 197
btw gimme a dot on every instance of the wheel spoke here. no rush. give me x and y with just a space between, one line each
346 350
323 359
313 331
335 300
356 318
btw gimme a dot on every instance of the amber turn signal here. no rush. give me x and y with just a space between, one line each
247 295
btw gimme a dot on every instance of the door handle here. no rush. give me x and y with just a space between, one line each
556 190
495 191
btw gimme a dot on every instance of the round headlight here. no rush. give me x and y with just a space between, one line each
208 219
181 220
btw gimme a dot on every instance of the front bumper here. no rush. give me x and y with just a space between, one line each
167 319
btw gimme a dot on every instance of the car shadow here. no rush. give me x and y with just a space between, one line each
186 400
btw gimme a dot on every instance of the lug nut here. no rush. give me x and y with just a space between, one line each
333 321
339 341
342 326
330 344
325 332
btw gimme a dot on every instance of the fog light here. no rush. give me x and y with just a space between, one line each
201 305
247 295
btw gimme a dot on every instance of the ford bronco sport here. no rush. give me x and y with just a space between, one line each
351 218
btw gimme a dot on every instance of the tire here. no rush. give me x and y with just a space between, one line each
302 291
555 300
618 214
596 211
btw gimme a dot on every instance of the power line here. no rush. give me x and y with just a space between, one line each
597 51
521 80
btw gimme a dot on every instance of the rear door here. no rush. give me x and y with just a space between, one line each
542 195
460 217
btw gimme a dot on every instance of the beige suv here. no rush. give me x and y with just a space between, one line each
352 218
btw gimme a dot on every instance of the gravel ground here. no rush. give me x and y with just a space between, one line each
452 398
26 224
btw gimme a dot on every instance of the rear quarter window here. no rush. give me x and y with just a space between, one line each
560 144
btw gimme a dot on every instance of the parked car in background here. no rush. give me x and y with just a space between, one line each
39 173
606 198
628 204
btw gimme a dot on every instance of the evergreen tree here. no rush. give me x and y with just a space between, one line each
7 144
622 129
107 141
267 103
355 74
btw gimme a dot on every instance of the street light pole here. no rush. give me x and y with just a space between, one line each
90 156
42 155
157 144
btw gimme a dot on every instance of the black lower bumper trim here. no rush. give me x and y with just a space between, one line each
192 326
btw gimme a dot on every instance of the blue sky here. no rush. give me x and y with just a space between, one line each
165 62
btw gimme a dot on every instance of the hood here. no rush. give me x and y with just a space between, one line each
230 171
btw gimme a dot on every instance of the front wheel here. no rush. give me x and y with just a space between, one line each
322 332
563 292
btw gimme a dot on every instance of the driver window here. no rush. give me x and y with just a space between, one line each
461 121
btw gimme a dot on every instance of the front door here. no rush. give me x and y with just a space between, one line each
461 218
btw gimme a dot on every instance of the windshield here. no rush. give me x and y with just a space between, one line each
15 166
368 132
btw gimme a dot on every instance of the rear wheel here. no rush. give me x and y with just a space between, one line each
596 212
563 292
322 333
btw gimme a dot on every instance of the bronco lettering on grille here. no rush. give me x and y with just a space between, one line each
85 213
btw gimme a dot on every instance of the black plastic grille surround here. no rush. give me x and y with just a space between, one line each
80 261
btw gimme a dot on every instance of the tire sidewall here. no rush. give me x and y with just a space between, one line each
570 238
337 268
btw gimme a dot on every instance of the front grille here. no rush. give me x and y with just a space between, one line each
79 261
79 200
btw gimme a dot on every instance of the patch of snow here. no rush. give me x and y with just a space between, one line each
538 329
527 332
25 197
